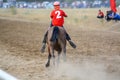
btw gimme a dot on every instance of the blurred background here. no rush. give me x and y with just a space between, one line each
48 3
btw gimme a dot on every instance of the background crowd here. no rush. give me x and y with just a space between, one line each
48 4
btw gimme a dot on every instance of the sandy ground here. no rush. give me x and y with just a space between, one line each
97 56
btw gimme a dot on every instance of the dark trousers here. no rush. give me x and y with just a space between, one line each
45 36
100 17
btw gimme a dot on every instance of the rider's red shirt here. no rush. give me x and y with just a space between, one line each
57 17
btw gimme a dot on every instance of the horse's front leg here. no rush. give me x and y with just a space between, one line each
49 57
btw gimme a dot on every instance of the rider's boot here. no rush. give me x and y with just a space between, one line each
43 47
70 41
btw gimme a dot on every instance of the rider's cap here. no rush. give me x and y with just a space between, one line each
56 3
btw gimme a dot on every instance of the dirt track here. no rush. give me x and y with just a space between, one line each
97 56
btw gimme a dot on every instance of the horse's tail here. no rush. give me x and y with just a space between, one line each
55 34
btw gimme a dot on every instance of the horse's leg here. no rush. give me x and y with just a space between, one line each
49 57
53 55
58 60
64 52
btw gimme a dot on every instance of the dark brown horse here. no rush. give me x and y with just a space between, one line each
56 41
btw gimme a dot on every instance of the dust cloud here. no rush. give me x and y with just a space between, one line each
85 70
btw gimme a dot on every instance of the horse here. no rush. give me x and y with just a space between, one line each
56 41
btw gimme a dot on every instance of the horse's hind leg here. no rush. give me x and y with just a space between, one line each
48 62
53 55
58 60
64 53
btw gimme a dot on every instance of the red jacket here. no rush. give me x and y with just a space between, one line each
57 17
101 14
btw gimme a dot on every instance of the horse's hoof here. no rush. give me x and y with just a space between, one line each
47 65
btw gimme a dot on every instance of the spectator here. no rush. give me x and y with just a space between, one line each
100 14
114 16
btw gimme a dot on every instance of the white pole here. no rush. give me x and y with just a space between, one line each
6 76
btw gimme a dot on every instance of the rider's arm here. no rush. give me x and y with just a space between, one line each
64 14
51 15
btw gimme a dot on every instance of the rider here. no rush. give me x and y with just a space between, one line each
57 16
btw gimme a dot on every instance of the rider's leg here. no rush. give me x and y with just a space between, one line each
69 40
44 42
44 39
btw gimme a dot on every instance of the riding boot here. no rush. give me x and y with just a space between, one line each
70 41
44 42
